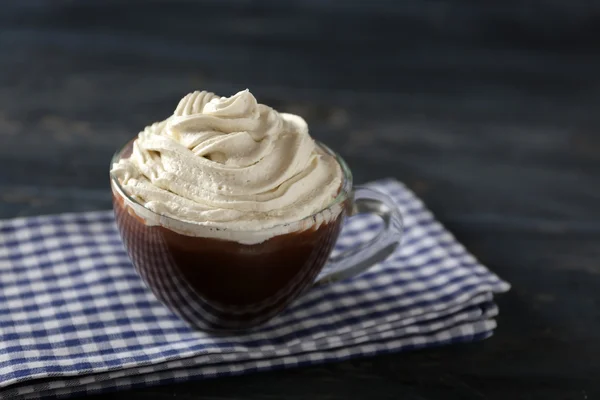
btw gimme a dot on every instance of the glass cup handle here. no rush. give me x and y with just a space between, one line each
360 258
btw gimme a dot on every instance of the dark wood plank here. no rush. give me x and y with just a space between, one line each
488 111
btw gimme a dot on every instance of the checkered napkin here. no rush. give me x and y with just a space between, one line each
76 319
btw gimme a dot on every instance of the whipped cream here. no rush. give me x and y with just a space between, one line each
229 168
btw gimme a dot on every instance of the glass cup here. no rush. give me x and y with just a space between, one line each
220 285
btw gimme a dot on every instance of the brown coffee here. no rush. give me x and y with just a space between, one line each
223 285
240 231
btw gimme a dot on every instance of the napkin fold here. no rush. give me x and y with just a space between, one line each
76 319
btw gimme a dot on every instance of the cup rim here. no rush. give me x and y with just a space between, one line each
344 193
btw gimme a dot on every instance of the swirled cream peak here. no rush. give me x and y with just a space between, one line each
231 167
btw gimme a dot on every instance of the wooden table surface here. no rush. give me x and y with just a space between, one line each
490 112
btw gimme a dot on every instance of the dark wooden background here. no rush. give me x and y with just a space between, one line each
488 110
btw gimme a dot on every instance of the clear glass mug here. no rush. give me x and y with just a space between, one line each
220 285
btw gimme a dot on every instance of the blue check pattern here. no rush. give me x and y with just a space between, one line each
76 319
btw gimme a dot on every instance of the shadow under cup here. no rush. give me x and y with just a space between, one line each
221 285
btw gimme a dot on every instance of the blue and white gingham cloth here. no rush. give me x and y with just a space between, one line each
76 319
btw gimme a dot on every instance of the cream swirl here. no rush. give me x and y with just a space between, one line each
229 164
